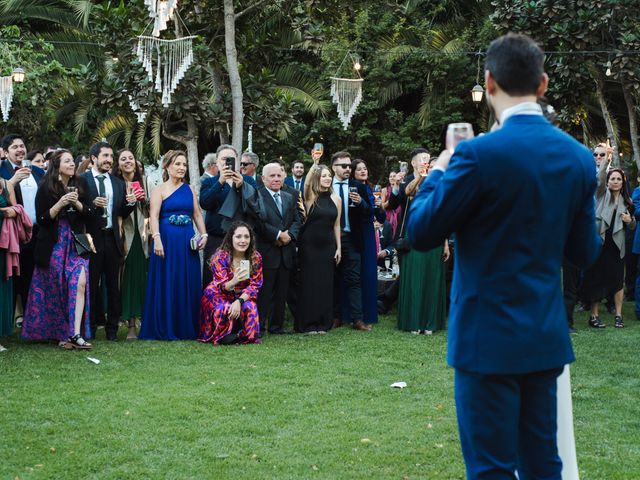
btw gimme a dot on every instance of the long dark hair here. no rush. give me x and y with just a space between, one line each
227 243
52 180
624 191
137 174
354 164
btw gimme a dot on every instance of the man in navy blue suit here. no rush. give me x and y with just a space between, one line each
296 179
519 199
25 182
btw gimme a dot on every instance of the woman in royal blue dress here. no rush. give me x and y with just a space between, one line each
369 254
174 284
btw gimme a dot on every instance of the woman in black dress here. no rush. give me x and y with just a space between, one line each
319 251
614 214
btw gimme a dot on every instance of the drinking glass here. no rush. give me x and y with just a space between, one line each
104 210
387 263
456 133
318 147
26 164
70 190
352 190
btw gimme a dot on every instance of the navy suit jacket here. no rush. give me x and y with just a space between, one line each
212 196
518 199
635 196
6 172
289 181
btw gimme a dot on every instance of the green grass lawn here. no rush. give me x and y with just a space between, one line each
296 407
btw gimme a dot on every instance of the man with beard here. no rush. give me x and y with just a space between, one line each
518 198
109 194
25 183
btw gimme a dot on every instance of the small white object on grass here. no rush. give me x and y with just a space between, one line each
398 385
93 360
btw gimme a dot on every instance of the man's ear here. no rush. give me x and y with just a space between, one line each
490 83
542 88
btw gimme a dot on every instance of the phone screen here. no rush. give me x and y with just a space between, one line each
230 162
244 264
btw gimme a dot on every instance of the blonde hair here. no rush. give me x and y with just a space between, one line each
312 186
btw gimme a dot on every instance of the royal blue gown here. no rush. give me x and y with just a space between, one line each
174 285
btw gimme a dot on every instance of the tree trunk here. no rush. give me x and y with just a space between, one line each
633 121
611 131
234 74
190 141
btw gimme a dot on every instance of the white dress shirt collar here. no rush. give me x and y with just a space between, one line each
524 108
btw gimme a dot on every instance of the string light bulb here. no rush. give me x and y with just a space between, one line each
357 65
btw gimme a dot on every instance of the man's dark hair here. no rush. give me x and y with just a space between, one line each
7 140
342 154
417 151
94 151
516 63
297 161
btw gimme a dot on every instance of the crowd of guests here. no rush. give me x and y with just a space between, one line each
90 242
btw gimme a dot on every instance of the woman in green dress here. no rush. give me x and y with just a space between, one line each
7 199
422 294
133 229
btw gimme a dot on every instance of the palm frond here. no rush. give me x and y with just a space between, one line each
302 89
389 92
446 40
156 135
113 127
426 105
16 10
81 115
82 10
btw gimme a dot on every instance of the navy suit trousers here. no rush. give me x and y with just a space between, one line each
508 423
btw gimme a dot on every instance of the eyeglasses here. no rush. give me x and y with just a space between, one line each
596 154
244 164
343 165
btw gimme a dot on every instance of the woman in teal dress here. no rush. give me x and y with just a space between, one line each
422 295
7 199
136 247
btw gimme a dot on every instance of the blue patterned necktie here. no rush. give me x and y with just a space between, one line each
276 197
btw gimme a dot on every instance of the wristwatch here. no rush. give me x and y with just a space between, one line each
241 300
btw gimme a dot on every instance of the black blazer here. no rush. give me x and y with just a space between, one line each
270 222
359 214
120 209
6 172
47 235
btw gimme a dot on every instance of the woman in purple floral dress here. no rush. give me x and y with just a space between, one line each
58 303
228 310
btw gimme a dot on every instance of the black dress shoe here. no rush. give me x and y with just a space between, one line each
112 337
228 339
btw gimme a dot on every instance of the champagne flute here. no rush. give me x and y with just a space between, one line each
387 263
377 192
71 189
104 210
319 147
456 133
26 164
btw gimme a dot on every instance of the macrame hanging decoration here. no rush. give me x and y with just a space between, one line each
346 93
6 96
161 11
135 106
172 59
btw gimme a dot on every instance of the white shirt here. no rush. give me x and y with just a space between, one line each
272 193
345 203
29 188
108 190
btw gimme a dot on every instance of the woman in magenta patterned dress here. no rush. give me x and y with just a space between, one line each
228 304
58 303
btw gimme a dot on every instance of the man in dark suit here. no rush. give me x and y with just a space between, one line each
355 209
276 231
213 193
518 198
110 195
25 183
296 179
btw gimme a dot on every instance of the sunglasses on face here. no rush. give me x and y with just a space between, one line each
596 154
243 164
343 165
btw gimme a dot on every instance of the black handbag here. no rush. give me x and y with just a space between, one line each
83 243
402 244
